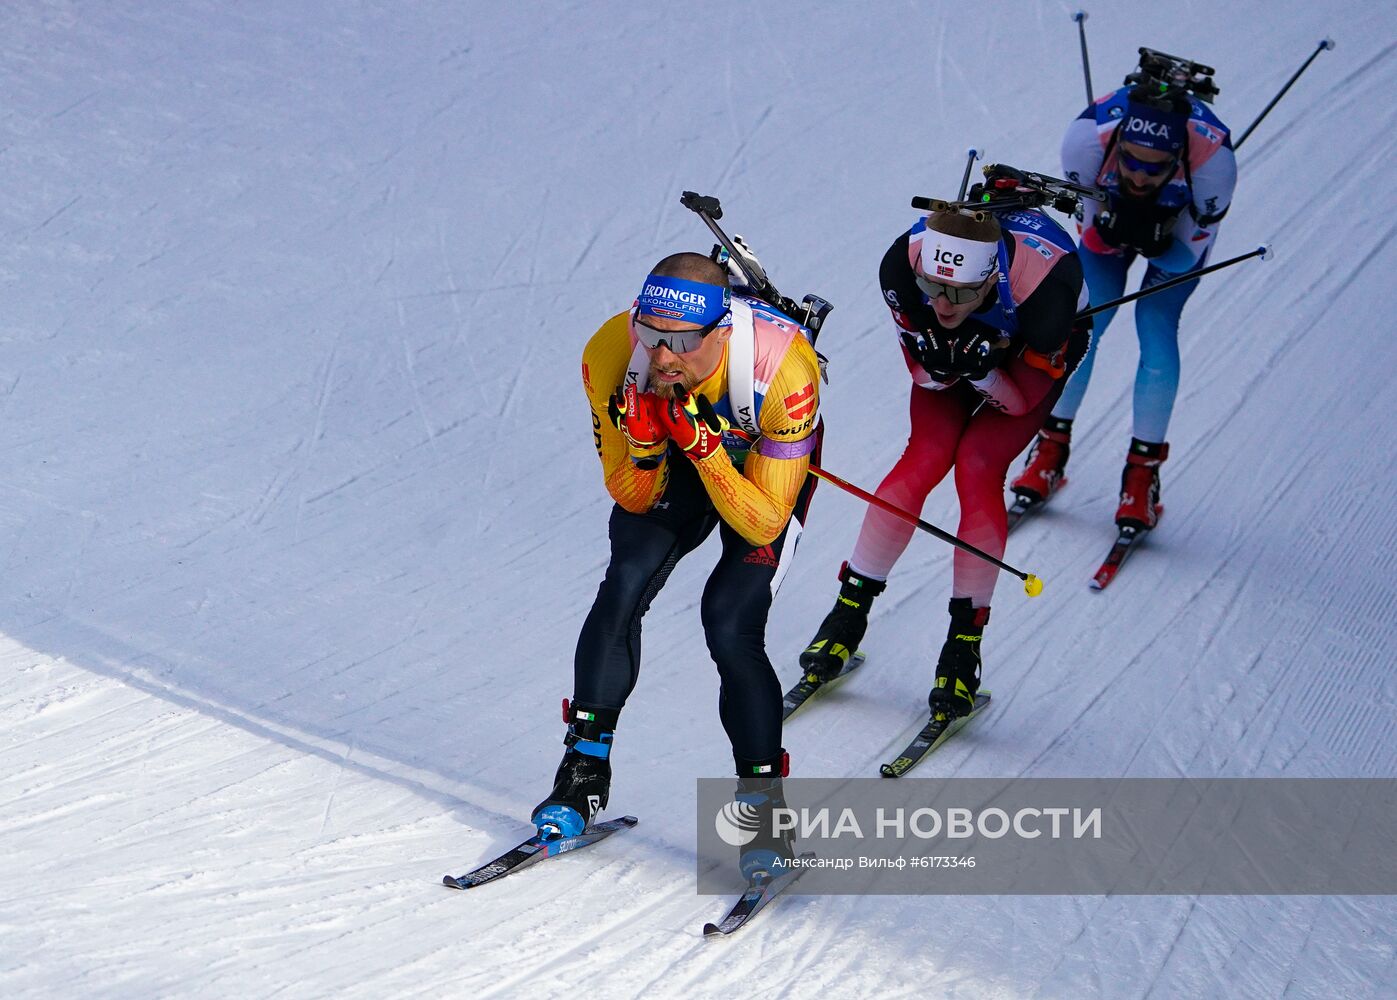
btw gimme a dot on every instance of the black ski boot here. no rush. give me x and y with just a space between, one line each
583 781
842 630
758 795
958 669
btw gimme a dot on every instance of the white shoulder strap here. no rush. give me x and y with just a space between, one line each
638 370
742 366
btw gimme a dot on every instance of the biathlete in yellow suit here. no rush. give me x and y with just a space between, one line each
665 379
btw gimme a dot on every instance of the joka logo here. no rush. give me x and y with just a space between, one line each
737 823
1157 129
764 556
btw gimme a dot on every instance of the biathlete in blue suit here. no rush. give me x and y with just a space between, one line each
1166 164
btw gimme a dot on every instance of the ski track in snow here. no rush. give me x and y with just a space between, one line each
300 513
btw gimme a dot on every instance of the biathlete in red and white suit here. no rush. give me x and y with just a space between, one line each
983 309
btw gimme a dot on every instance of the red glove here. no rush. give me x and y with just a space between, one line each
637 416
693 424
1091 239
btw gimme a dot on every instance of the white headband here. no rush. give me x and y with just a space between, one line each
953 258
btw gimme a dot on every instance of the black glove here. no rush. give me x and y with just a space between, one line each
934 351
1142 230
978 354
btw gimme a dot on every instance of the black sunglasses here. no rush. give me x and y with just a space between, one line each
678 341
955 294
1146 167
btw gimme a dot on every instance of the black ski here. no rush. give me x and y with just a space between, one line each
810 684
763 889
933 734
1127 538
1024 504
535 849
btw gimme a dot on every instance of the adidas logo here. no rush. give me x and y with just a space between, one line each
764 556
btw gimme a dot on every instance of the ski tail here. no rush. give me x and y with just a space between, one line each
1128 538
534 850
763 890
932 735
1027 504
810 685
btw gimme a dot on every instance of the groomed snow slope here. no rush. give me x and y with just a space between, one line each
300 516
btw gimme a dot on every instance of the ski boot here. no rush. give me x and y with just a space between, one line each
1047 459
758 795
842 630
958 669
1140 485
583 781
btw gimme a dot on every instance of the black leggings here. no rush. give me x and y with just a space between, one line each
736 600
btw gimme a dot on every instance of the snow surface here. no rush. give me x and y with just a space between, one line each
300 515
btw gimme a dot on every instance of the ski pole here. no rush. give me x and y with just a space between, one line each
1032 585
1325 44
1081 18
971 155
1263 251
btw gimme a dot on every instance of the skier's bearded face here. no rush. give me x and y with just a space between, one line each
673 375
1142 170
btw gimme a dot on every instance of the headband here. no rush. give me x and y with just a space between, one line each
1155 128
941 257
676 298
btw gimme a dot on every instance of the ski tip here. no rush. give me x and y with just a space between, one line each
451 882
887 771
629 820
712 930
